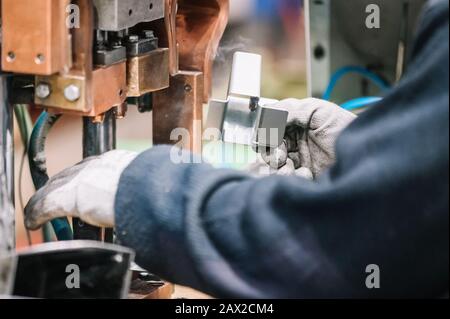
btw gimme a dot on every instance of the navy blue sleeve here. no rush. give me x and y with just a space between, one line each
385 202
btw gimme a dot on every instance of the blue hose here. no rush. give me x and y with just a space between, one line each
376 79
360 102
38 167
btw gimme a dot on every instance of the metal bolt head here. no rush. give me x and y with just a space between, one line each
149 34
72 93
43 90
133 38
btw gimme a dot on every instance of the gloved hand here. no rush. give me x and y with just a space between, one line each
309 148
86 191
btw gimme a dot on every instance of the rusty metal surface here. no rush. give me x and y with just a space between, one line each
148 73
35 38
180 106
200 26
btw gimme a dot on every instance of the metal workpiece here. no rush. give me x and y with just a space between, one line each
245 118
7 214
117 15
245 77
270 128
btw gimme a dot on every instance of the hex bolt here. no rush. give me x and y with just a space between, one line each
133 38
72 93
149 34
43 90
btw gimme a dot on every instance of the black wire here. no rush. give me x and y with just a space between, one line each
22 205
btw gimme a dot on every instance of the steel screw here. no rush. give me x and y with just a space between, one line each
133 38
43 90
11 56
149 34
72 93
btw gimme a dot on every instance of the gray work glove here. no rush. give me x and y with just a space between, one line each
309 147
86 191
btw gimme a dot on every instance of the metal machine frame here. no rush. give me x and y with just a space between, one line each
337 36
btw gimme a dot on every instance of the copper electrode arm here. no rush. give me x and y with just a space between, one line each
200 26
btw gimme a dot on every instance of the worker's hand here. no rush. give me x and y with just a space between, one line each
86 191
313 128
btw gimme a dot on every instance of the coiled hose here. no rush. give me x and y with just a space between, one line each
38 167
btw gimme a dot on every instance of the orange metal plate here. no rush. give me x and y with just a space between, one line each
180 106
35 36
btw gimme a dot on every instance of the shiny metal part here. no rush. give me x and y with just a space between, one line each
148 73
245 77
240 125
72 93
116 15
43 90
245 118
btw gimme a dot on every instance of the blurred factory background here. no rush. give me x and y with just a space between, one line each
272 28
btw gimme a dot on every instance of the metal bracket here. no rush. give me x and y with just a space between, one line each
245 118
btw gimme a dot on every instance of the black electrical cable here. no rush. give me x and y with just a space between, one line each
38 166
